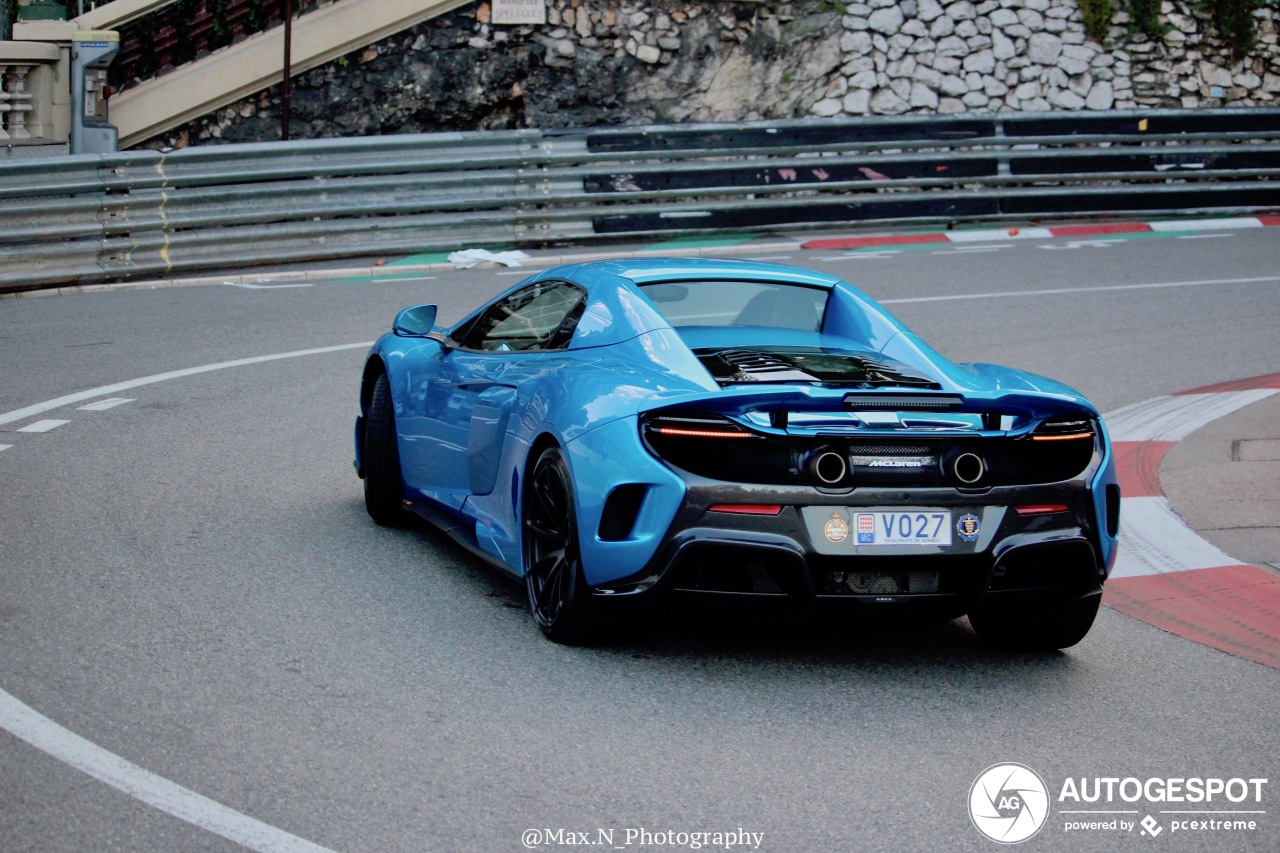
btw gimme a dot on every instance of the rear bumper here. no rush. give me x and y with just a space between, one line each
1015 559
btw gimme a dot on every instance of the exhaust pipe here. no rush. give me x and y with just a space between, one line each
968 468
827 467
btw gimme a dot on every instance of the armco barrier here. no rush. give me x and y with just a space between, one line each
113 217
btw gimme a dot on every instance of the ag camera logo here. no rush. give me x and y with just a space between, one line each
1008 803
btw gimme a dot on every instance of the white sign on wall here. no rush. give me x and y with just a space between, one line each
519 11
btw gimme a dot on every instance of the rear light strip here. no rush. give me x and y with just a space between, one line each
1042 509
1072 436
701 433
747 509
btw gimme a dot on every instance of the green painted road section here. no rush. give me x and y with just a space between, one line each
423 259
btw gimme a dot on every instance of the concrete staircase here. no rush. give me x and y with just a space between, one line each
254 64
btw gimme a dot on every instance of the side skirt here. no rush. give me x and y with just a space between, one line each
459 531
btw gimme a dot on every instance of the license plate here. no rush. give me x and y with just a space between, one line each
907 527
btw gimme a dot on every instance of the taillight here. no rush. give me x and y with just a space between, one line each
1063 429
697 426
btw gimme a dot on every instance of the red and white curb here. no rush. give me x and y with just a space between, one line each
1099 229
1165 573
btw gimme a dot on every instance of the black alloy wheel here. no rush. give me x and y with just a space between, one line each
383 485
559 600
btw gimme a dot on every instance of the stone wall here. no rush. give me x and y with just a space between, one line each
1183 68
610 62
925 56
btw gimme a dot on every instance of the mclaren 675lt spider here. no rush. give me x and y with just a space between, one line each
641 429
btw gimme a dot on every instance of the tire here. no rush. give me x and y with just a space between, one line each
1037 629
559 601
383 486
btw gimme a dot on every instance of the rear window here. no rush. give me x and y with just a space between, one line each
738 303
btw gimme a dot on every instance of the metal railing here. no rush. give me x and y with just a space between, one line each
169 36
129 215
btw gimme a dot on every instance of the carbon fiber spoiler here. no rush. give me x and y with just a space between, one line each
773 398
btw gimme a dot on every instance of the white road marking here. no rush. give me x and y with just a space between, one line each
772 258
262 286
4 447
1080 244
103 405
1175 417
971 250
42 426
81 396
1156 541
1055 291
25 723
1205 224
1203 236
862 255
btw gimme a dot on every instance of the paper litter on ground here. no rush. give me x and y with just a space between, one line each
468 258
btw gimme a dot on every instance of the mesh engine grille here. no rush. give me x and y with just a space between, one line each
882 583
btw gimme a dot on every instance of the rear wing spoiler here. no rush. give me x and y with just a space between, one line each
780 400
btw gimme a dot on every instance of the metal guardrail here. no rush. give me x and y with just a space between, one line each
119 216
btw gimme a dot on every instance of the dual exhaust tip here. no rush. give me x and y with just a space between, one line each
968 468
827 467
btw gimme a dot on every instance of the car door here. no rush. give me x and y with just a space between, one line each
466 404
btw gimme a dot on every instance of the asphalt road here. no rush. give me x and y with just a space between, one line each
189 581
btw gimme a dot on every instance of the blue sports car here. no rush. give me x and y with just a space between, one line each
637 429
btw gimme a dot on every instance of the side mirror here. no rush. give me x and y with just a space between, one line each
415 322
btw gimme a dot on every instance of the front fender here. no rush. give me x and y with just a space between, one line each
385 356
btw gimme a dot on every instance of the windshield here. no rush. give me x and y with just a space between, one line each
739 303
